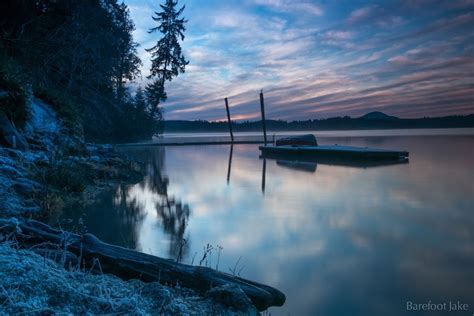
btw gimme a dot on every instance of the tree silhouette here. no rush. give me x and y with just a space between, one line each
167 58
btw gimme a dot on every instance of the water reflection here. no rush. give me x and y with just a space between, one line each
298 165
337 240
171 214
305 162
125 215
123 224
230 162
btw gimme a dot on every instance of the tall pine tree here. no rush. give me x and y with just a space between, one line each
127 65
167 59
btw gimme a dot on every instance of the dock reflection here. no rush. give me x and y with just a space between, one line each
308 163
298 165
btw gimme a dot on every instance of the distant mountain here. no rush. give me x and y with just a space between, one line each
378 116
373 120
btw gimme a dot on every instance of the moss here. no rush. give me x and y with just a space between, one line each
14 102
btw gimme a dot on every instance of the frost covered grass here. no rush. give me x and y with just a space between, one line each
30 283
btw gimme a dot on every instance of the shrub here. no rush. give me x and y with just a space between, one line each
14 98
52 204
67 176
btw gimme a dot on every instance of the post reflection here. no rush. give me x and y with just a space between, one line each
230 162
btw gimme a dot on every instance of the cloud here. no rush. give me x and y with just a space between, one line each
391 58
233 19
292 6
402 60
339 35
382 16
362 14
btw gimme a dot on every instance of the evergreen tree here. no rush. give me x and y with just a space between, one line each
145 121
140 101
128 63
167 58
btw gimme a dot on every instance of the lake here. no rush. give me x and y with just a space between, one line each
337 240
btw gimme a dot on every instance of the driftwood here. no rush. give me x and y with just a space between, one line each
130 264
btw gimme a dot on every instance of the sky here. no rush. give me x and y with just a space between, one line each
318 59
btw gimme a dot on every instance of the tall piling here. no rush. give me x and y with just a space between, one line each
262 108
228 119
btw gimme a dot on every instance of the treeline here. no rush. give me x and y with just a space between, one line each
78 56
336 123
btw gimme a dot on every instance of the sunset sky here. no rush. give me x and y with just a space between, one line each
318 59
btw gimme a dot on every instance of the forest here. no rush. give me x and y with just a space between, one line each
81 58
333 123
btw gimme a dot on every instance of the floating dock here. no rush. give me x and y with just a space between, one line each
333 152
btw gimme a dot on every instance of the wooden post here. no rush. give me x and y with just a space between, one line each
228 119
262 108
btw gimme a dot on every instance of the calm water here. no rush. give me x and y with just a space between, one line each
337 240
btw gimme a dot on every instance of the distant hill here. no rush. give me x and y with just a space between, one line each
373 120
376 115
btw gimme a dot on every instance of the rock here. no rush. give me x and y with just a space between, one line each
308 140
105 149
26 186
73 158
94 159
42 127
9 171
232 296
43 119
16 187
91 149
9 136
72 145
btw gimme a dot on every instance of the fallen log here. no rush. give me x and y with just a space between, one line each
130 264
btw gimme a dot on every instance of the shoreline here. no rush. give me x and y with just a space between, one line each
54 170
176 299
